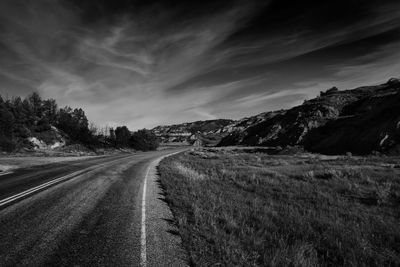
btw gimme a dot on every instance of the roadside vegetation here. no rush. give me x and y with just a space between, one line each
42 119
254 209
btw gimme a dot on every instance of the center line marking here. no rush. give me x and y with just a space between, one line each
45 185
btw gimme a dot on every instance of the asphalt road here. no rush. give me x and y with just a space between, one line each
82 213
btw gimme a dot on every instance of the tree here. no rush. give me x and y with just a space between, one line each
50 110
75 124
6 121
111 138
28 112
144 140
6 128
112 134
94 129
20 118
122 135
36 103
18 110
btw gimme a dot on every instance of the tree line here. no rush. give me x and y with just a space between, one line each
34 116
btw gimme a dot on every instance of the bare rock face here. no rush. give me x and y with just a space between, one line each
360 121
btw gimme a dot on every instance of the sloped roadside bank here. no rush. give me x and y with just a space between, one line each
236 208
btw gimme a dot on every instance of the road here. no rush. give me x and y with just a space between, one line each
84 213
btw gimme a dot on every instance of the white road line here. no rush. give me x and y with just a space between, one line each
37 188
47 184
5 173
143 255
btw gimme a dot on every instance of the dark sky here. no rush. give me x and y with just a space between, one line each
145 63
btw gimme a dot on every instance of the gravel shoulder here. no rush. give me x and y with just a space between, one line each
162 235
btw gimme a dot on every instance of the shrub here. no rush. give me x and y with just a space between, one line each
144 140
6 144
43 125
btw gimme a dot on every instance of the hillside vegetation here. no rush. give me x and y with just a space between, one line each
254 209
34 123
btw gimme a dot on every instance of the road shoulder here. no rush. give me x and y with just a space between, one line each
164 245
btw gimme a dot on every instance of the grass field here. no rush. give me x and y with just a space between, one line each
243 209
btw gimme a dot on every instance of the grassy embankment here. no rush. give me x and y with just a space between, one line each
238 209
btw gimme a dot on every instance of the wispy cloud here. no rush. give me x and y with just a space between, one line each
163 64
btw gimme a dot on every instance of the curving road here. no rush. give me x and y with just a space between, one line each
84 213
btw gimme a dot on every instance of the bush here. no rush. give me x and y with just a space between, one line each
22 131
43 125
6 144
144 140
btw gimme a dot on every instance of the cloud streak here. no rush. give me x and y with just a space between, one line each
160 63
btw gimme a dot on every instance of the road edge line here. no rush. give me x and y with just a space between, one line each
143 256
143 244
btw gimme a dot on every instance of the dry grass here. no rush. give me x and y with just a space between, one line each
241 209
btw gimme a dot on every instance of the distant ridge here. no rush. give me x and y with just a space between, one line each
207 132
361 121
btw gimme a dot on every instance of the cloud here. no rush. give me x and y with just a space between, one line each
147 64
254 99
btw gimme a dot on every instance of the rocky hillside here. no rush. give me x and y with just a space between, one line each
210 131
360 121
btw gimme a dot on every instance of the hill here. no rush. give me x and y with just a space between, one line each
34 124
360 121
200 132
